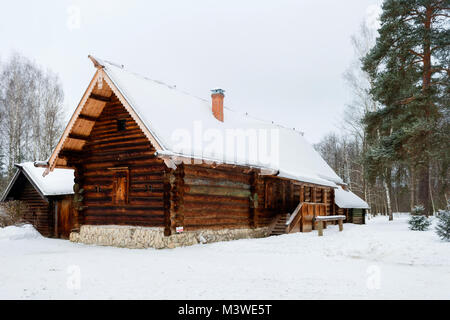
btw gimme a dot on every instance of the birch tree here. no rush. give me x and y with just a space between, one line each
31 112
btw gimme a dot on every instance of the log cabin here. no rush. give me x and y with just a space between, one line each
48 201
152 158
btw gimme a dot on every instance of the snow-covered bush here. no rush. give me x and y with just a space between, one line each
418 222
11 213
443 225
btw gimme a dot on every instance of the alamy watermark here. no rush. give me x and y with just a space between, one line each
259 146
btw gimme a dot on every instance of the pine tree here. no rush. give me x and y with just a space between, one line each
417 221
443 225
410 67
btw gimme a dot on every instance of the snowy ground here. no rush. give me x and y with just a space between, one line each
381 260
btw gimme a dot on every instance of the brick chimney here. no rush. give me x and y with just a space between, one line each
217 96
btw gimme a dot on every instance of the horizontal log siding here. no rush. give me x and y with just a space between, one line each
216 198
38 210
108 148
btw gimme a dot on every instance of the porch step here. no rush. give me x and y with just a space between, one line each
280 226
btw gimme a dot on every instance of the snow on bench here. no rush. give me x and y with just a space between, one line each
329 218
321 219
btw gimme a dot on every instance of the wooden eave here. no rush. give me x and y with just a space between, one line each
97 95
10 185
16 176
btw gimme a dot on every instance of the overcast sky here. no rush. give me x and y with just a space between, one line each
278 60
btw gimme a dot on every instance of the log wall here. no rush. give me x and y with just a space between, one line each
123 181
216 198
126 184
38 212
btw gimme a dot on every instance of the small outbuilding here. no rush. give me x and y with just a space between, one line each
349 204
49 199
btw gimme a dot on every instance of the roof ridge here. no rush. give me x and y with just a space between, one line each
174 87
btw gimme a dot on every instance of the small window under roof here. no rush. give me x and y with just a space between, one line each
121 125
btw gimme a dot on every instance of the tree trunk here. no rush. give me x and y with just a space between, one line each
387 190
412 188
395 194
423 197
424 175
431 195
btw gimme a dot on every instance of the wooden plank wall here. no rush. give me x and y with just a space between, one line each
107 148
39 211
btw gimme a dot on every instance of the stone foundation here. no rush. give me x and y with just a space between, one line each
144 237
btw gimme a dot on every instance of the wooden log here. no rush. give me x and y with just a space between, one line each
225 191
253 205
168 177
100 98
87 118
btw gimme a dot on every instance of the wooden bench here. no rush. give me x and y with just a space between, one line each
321 219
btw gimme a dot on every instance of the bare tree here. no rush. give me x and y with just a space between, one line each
345 152
31 104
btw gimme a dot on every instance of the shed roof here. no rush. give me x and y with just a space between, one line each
60 182
348 200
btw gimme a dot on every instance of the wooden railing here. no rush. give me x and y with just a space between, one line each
295 218
306 211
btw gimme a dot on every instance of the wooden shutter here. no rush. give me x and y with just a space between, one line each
120 185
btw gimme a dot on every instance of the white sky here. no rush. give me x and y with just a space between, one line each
278 60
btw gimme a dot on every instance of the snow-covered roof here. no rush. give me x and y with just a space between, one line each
347 199
60 182
170 114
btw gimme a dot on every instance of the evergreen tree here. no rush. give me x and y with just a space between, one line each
443 226
410 67
417 221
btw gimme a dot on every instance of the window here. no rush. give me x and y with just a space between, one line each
121 124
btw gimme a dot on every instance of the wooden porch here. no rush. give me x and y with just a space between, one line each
303 219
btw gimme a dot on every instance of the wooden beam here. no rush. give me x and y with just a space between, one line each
253 208
320 229
73 119
78 137
70 154
97 64
87 118
99 97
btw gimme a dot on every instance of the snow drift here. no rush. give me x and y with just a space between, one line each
22 232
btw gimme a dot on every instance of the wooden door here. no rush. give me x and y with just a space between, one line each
64 218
